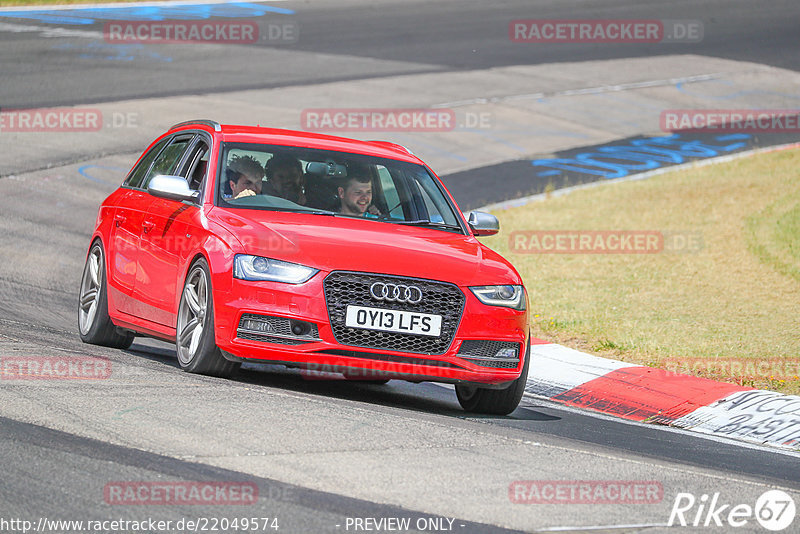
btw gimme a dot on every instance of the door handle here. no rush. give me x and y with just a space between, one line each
119 219
148 225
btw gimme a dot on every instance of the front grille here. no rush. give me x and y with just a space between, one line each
484 353
441 298
272 329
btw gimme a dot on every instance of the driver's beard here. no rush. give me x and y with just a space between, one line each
352 207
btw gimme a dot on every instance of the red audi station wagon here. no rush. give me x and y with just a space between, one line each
328 254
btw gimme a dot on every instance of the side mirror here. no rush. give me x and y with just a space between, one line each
482 223
171 187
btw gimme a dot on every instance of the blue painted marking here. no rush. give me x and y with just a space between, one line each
82 172
617 161
734 146
733 137
91 15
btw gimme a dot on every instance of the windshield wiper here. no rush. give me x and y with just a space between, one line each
310 210
420 222
320 212
430 224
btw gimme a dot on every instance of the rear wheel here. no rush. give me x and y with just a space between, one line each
94 323
495 401
197 350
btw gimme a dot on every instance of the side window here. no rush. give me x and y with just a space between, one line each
435 205
136 176
390 193
167 162
197 165
433 213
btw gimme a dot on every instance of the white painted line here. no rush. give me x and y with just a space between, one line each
506 204
578 528
49 31
583 91
69 7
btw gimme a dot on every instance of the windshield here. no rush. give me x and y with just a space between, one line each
268 177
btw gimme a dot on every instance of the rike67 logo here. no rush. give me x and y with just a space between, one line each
774 510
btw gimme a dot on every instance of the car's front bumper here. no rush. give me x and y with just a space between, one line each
468 357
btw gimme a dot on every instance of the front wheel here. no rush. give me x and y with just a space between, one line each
197 349
495 401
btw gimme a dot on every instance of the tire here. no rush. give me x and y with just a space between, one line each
194 339
94 323
495 401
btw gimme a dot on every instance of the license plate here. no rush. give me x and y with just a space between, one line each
404 322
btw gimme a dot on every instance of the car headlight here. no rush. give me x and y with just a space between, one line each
247 267
505 296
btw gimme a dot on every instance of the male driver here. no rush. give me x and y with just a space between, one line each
355 195
244 176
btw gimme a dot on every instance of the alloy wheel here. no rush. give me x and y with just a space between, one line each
192 315
90 290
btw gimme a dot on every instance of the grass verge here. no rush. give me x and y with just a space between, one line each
729 310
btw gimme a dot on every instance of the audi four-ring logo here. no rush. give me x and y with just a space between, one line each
395 293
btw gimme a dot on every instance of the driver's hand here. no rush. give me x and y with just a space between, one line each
246 193
374 210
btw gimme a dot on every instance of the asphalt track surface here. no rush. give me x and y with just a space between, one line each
319 452
403 37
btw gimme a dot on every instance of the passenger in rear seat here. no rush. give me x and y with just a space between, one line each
285 178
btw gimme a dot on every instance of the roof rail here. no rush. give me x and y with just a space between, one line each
205 122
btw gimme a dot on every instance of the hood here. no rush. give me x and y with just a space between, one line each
339 243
